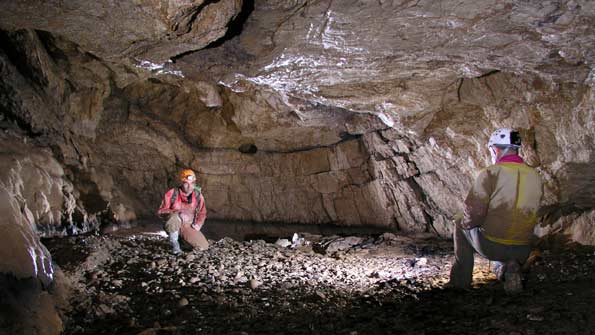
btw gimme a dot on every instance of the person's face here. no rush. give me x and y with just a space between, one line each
187 186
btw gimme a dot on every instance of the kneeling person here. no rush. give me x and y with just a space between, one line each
499 216
183 208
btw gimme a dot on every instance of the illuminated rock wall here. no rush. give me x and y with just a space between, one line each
303 115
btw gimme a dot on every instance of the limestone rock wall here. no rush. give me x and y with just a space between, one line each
268 117
31 188
33 194
370 180
577 227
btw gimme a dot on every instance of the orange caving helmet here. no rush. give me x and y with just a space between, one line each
187 175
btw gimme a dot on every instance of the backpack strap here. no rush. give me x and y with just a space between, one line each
174 195
197 191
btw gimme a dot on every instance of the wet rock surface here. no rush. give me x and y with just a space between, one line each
380 284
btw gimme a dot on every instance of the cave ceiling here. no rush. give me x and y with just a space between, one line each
315 60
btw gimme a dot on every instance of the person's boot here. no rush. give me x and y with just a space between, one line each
499 269
175 244
513 282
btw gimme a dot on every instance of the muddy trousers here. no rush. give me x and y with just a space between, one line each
194 237
173 240
175 228
467 242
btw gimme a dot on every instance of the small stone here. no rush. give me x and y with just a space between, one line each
421 261
283 242
254 283
183 302
534 317
194 280
321 295
93 275
104 309
117 282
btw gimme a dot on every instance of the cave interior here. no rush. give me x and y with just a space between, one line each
334 143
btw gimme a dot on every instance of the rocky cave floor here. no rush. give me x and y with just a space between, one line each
129 283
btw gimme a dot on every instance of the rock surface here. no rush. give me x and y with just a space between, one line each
32 193
146 32
303 117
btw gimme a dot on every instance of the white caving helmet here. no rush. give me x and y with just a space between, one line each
503 138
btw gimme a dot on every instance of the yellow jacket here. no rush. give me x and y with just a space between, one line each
503 202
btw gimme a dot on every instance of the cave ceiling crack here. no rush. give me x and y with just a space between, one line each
426 203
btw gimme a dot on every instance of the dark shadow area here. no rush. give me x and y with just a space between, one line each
24 305
270 231
13 50
14 44
236 25
67 252
248 149
12 295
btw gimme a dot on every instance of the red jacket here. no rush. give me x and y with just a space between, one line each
181 203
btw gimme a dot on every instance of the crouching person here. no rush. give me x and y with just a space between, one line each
499 216
183 210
